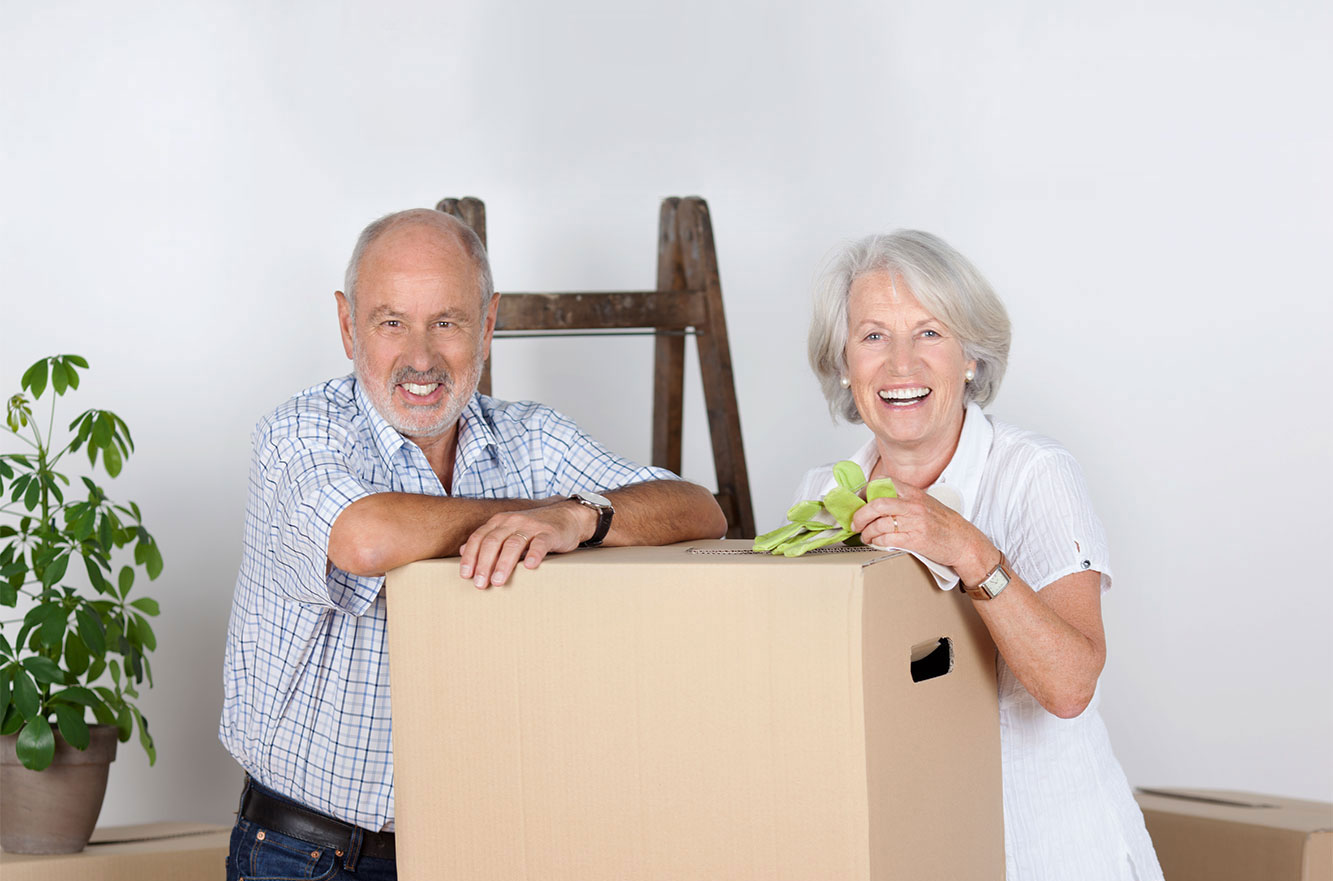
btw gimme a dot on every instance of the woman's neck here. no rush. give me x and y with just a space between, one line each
914 465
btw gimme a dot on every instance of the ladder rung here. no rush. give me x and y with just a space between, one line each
612 310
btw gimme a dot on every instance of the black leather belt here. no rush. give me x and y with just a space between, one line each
300 822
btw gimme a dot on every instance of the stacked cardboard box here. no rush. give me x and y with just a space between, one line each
694 712
149 852
1215 835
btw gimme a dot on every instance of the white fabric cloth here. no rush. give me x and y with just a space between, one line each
1068 809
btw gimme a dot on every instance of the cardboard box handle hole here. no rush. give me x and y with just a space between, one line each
931 659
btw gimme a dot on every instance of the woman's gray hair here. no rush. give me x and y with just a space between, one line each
946 284
445 223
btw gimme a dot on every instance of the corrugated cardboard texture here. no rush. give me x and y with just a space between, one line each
654 713
1219 835
150 852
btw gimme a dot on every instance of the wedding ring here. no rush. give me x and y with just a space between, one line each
522 536
895 522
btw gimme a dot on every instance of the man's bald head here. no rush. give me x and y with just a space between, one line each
449 228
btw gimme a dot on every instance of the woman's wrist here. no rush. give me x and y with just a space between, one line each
980 561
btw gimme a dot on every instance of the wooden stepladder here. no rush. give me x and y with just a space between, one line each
687 300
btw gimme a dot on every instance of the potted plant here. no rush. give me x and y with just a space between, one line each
77 642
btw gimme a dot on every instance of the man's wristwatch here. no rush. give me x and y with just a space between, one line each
600 504
991 585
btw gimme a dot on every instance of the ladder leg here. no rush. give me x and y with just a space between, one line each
699 257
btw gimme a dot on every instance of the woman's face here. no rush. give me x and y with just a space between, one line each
906 367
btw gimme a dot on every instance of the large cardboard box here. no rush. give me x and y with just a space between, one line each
1217 835
147 852
694 712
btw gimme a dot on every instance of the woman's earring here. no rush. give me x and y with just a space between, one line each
969 374
844 381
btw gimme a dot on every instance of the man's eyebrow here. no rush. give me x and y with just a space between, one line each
379 313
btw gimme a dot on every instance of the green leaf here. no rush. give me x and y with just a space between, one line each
145 633
112 461
103 714
126 580
55 570
91 630
95 671
54 487
44 670
36 744
115 672
59 379
77 360
34 379
152 559
104 428
12 721
76 654
32 495
71 724
5 647
124 723
145 739
6 676
25 694
52 631
75 694
146 605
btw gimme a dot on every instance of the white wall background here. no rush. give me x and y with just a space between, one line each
1146 184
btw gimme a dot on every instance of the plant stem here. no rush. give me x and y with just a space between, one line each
26 440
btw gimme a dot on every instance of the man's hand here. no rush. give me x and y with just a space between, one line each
492 552
656 512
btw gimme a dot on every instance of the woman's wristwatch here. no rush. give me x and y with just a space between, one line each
600 504
991 585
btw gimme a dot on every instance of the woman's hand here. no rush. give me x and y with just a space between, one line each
917 522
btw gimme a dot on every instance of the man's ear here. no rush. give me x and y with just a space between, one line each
344 321
491 312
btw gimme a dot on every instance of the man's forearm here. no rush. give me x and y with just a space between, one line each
386 530
662 512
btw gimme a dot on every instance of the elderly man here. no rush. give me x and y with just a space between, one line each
401 461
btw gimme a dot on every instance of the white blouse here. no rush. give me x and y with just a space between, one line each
1068 809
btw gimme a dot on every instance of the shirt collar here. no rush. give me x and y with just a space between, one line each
476 437
963 473
387 439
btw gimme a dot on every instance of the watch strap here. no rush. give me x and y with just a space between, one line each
993 584
604 514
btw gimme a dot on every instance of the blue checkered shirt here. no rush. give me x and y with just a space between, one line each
306 677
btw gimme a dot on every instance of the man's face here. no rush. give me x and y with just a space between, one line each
418 337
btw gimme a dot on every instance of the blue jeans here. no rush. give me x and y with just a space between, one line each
258 854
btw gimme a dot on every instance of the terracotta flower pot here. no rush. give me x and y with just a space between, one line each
55 810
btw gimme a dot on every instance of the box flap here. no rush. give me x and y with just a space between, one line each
1269 811
151 832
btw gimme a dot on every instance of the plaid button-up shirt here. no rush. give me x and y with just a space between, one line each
306 677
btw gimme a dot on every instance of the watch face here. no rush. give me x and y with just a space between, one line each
600 501
997 582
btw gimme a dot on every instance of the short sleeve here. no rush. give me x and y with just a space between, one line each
1053 530
309 482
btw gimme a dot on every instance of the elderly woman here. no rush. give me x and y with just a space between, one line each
911 340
